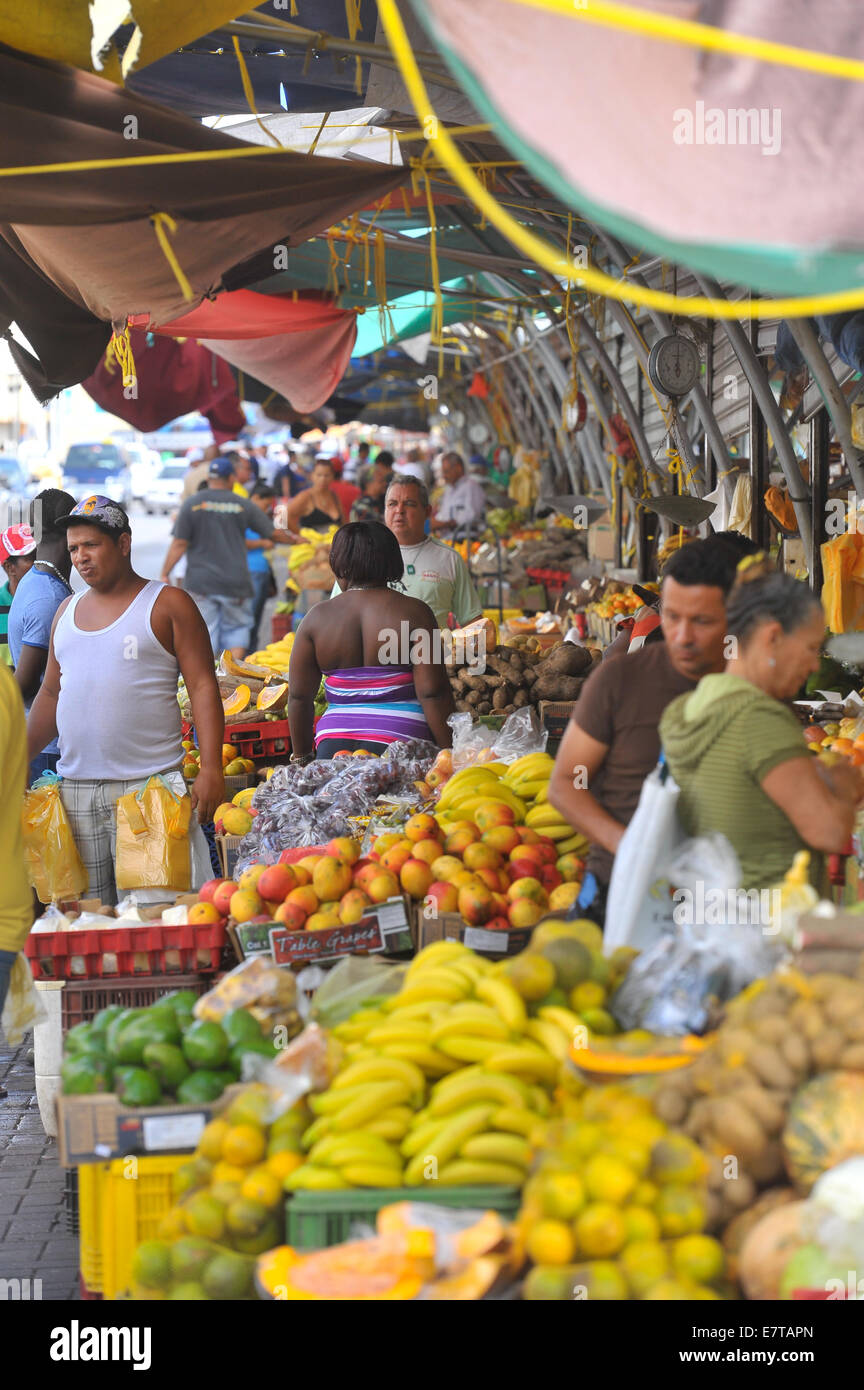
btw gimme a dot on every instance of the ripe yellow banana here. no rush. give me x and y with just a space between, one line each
429 1059
377 1069
328 1102
427 1008
310 1178
405 1030
462 781
464 1172
499 1148
316 1131
392 1125
576 844
421 1135
474 1089
378 1097
473 1020
447 1142
439 952
539 1101
514 1119
360 1147
565 1019
539 816
531 764
465 806
503 997
466 1048
371 1175
530 789
435 984
525 1061
550 1036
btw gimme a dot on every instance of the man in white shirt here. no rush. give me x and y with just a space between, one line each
433 572
463 502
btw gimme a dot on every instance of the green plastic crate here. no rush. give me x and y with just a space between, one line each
315 1220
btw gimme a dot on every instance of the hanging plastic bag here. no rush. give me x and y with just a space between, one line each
23 1008
351 984
54 866
153 838
639 906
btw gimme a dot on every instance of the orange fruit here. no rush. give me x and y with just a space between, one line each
282 1164
550 1243
243 1145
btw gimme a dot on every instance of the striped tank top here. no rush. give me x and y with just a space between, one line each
377 704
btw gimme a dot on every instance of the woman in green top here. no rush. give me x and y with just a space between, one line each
738 754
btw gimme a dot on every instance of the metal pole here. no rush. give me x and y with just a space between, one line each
818 461
835 402
759 384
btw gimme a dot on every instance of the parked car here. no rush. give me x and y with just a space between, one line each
15 487
164 492
99 468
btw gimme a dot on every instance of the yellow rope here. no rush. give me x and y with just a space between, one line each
385 321
249 92
162 225
436 318
689 32
549 257
80 166
123 355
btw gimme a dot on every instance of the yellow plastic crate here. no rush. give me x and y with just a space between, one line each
135 1193
90 1262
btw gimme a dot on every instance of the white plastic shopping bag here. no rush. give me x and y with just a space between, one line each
639 906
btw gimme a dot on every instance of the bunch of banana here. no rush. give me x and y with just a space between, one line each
529 777
275 656
472 786
477 1128
356 1158
547 821
300 555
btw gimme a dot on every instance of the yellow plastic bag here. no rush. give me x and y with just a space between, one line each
23 1008
153 838
54 865
843 586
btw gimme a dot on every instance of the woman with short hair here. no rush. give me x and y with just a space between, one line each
378 651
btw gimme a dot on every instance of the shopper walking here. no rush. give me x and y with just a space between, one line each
110 690
37 597
210 530
17 553
263 580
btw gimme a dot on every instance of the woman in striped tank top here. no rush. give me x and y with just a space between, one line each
378 651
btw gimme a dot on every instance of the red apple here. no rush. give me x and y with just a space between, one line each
499 923
549 877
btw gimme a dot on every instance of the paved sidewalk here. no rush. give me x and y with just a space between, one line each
34 1241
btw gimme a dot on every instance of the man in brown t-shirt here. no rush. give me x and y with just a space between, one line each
612 742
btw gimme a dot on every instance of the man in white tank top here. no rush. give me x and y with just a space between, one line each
110 690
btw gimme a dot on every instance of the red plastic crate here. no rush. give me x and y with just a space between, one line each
555 581
281 626
113 951
81 1000
264 738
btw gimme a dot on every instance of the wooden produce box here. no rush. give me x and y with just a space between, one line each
449 926
228 848
93 1129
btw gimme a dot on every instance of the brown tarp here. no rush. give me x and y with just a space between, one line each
78 250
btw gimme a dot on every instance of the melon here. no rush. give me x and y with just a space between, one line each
238 701
273 697
825 1126
768 1249
232 666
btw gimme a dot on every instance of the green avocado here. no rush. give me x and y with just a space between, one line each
154 1025
205 1045
167 1063
83 1038
85 1074
139 1087
203 1086
239 1026
106 1016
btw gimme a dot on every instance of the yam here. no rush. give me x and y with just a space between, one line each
529 676
473 697
556 687
503 696
463 707
477 683
520 699
484 707
566 659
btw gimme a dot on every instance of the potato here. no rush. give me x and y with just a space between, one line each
852 1058
796 1053
767 1110
770 1067
827 1048
736 1130
670 1105
739 1193
484 707
853 1028
772 1029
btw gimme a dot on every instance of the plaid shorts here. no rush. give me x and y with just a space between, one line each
91 806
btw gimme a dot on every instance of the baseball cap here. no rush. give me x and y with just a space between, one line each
16 541
220 468
99 511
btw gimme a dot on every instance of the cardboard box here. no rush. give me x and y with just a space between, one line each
92 1129
449 926
601 541
228 847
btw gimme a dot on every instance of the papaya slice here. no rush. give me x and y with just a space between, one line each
273 697
238 701
233 667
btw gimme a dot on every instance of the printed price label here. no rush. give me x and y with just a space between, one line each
478 939
176 1132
